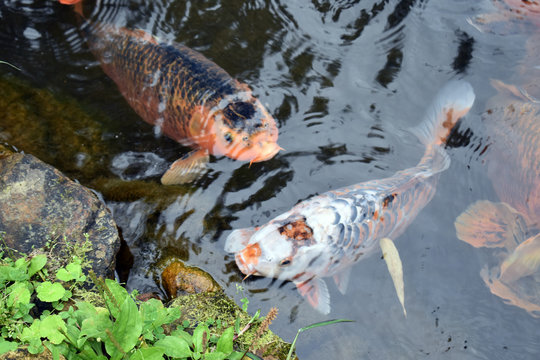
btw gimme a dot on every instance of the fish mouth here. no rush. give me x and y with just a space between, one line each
242 266
261 150
268 151
248 258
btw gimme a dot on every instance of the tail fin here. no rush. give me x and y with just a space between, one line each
452 103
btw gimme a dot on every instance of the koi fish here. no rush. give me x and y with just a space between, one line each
508 14
512 227
188 97
326 234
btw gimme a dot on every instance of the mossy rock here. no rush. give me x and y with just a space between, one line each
23 354
215 306
40 207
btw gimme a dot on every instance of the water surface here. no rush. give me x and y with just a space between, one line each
345 81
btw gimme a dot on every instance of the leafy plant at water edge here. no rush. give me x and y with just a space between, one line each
124 328
39 308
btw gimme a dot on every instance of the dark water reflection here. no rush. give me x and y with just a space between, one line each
345 80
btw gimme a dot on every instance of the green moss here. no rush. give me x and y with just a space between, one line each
55 130
217 306
117 189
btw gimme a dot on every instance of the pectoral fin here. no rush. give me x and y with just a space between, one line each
488 224
316 293
342 280
393 262
186 169
524 261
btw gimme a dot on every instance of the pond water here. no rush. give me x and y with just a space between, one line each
345 81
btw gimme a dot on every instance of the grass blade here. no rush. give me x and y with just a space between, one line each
13 66
322 323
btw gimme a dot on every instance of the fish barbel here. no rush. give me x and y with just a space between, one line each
188 97
324 235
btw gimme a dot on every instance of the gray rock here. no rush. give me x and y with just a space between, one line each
38 204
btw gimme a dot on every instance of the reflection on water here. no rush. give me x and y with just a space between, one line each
345 80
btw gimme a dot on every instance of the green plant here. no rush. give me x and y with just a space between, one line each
6 63
41 307
123 328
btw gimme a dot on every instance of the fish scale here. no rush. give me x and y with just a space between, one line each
184 78
185 95
352 234
348 223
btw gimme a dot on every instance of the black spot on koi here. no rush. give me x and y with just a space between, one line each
236 114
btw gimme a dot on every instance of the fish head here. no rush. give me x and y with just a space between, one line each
243 129
283 249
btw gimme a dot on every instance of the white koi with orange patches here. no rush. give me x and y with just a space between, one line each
324 235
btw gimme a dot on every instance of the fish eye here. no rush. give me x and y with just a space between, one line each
285 262
266 125
245 138
228 137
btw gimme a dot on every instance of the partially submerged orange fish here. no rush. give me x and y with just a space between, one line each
508 14
513 226
191 99
324 235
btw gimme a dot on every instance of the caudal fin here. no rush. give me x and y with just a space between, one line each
453 101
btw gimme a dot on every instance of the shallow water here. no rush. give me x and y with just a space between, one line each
345 81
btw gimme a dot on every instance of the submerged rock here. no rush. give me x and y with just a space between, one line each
39 206
56 131
179 279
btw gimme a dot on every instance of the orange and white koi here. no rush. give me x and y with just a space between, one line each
511 227
326 234
190 98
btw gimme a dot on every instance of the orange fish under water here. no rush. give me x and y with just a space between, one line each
509 14
191 99
326 234
513 226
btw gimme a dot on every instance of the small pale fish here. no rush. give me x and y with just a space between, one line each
188 97
326 234
395 268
